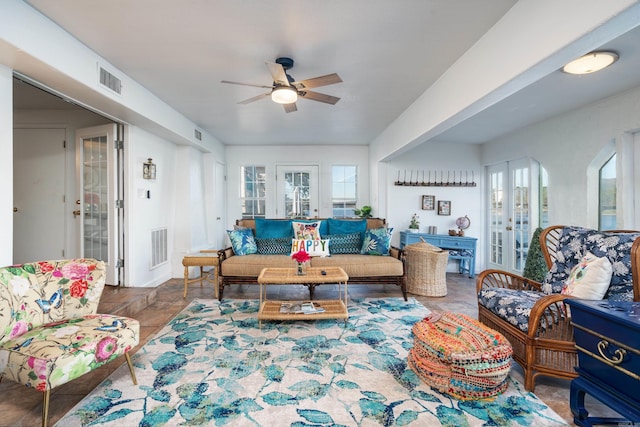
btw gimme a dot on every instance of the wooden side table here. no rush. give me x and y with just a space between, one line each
205 258
334 309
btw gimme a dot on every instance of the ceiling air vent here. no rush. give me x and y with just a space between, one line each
110 81
198 134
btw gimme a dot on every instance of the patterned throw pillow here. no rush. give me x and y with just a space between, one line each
571 249
617 248
242 241
345 243
590 278
312 247
377 241
279 246
306 230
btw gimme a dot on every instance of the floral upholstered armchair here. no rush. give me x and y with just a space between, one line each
533 315
50 333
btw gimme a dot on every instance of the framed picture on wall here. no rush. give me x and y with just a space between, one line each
428 203
444 207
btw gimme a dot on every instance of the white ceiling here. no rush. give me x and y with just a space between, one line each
387 54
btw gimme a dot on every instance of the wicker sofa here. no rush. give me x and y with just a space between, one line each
533 316
361 269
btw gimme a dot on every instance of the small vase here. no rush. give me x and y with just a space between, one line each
300 269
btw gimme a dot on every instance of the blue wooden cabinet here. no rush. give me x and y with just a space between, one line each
460 248
607 336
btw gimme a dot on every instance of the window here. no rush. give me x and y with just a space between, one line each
607 195
344 191
253 191
544 198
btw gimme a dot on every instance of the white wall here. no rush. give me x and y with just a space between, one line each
324 156
565 146
403 201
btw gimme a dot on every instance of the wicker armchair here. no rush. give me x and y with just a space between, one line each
532 315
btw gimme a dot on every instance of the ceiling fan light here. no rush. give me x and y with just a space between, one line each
590 63
284 95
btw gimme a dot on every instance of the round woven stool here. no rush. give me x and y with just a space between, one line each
426 269
460 356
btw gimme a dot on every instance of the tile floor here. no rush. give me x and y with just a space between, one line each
21 406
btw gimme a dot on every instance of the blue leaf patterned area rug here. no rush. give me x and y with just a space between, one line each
213 365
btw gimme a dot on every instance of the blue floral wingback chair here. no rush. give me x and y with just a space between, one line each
50 333
533 316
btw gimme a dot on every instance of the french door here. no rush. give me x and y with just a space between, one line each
98 212
513 212
297 191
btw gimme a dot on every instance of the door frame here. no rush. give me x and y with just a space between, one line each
509 231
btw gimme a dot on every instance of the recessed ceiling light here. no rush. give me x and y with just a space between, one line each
591 62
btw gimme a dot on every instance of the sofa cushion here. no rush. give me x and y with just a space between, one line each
617 248
345 243
376 241
279 246
571 249
590 278
361 265
306 230
273 228
312 247
512 305
347 226
322 228
252 265
242 241
55 353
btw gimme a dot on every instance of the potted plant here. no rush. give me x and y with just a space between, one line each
414 225
363 212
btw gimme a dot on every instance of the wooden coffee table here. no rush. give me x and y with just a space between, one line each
334 309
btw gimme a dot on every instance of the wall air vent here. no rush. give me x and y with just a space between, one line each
159 247
110 81
198 134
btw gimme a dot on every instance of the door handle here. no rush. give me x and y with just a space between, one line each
76 213
509 228
15 209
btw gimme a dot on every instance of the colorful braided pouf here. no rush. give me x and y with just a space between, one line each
458 355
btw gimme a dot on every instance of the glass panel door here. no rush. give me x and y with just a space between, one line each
98 231
511 215
297 191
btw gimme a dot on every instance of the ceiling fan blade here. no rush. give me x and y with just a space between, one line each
245 84
255 98
329 79
290 108
278 74
315 96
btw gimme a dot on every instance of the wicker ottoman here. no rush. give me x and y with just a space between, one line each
426 269
460 356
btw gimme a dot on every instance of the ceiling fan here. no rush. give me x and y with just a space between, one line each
285 90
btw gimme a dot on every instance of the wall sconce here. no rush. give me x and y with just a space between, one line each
149 170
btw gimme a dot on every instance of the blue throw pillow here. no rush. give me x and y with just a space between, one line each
242 241
280 246
377 241
347 226
273 228
345 243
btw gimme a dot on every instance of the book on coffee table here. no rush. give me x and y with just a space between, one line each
300 308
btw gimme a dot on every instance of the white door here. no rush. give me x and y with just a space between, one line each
39 194
98 216
513 207
297 193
